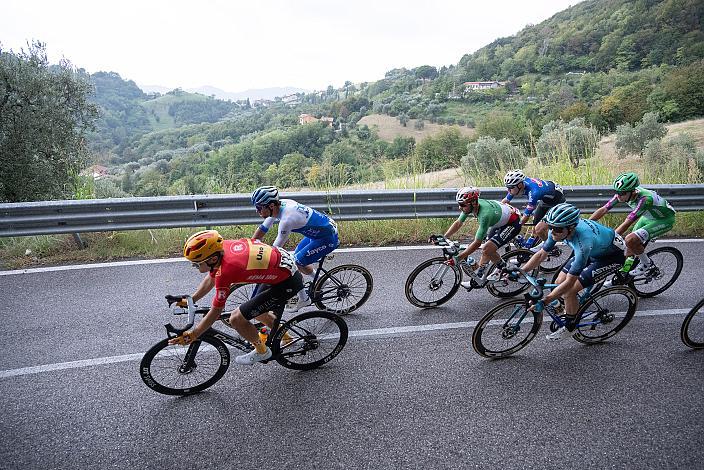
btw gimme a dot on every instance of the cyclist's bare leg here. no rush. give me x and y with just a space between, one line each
307 270
268 319
489 253
246 330
634 245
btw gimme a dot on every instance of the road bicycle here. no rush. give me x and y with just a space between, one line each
340 290
304 342
692 331
667 263
556 257
437 280
511 325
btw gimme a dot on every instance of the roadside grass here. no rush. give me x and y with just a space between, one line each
47 250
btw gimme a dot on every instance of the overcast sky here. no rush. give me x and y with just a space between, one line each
238 45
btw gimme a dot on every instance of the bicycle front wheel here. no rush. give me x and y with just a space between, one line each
310 340
506 329
692 332
504 287
343 289
432 283
182 370
667 266
556 258
605 313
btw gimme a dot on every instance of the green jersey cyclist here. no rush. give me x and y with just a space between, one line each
652 215
498 222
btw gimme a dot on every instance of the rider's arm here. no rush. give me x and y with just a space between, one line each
600 212
507 198
625 225
282 237
203 288
263 228
535 260
562 289
456 225
207 321
470 249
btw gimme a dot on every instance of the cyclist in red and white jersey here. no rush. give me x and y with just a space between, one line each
248 261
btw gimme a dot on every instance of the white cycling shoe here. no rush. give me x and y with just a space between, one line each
253 357
292 308
559 334
640 270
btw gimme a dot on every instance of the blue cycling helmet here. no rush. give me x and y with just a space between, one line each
265 195
562 215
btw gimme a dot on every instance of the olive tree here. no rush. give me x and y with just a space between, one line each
44 117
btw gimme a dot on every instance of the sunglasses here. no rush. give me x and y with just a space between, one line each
622 193
260 208
558 229
512 187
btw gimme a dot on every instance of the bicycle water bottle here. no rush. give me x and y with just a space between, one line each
530 242
471 262
263 334
628 264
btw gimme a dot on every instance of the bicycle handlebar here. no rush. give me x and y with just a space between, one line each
191 309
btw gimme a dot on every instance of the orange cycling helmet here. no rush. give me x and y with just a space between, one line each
202 245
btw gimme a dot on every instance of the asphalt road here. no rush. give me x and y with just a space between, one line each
391 399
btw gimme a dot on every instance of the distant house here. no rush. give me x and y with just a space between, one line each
262 103
472 86
96 171
306 119
582 72
291 100
327 119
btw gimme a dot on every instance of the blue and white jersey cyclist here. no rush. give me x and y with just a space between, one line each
319 231
598 250
542 196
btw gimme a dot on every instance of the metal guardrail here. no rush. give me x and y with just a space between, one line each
99 215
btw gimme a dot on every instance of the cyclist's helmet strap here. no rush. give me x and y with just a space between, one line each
513 178
626 182
265 195
468 194
562 215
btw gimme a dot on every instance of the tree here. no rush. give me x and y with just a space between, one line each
44 117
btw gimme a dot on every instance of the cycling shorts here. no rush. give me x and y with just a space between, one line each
272 298
310 250
647 229
547 203
598 268
502 235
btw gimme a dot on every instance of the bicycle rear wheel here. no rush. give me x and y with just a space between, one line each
343 289
692 331
239 294
667 266
309 340
504 287
506 329
605 313
182 370
432 283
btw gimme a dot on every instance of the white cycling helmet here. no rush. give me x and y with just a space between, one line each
467 194
265 195
514 177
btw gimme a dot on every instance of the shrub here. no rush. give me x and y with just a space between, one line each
490 157
573 141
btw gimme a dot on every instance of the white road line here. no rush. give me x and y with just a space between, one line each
353 334
176 260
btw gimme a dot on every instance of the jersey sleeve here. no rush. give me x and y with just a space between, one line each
581 257
284 233
462 218
221 294
549 243
610 203
532 201
643 203
266 225
509 196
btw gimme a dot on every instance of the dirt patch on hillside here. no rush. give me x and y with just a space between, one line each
389 128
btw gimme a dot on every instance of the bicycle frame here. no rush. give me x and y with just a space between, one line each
450 250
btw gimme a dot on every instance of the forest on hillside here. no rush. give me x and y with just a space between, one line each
600 66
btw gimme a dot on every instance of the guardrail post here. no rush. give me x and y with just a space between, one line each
77 238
